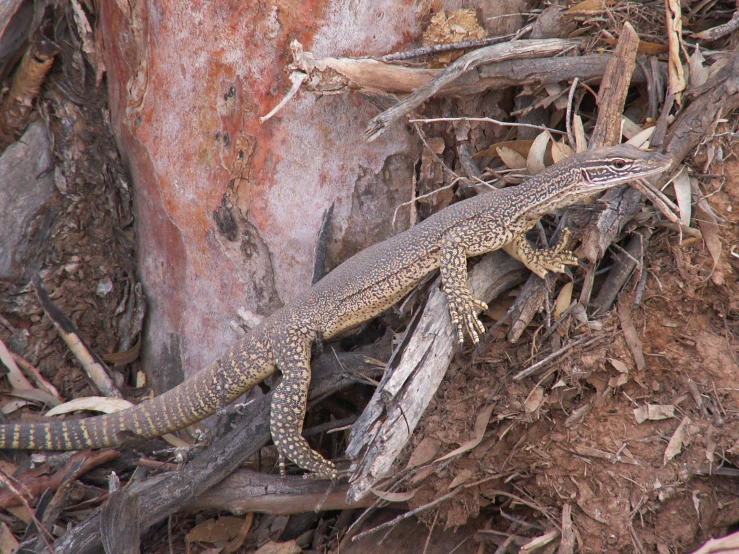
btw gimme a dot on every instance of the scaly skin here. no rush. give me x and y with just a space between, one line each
356 291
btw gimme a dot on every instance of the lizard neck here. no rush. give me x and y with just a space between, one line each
543 193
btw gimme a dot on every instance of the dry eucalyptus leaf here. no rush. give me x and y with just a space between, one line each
15 376
520 146
461 478
8 543
677 440
564 299
717 66
681 184
641 139
478 432
271 547
581 143
618 365
648 48
654 412
629 129
103 404
394 496
511 158
35 395
534 400
708 223
535 159
218 530
698 69
426 451
561 150
587 7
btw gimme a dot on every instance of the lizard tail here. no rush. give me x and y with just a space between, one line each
198 397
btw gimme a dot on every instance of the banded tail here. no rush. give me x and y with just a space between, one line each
193 400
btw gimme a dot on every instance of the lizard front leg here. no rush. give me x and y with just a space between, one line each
462 307
544 260
291 351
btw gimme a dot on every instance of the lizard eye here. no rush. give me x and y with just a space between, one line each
619 164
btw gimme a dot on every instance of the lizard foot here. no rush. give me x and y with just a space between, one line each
543 261
463 312
296 449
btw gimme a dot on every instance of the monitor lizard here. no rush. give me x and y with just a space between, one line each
357 290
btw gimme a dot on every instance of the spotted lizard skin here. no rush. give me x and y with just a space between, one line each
356 291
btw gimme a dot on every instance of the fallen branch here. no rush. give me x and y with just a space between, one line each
522 49
248 491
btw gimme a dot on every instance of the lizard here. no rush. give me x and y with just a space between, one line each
359 289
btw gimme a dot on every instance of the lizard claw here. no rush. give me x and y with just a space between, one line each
463 312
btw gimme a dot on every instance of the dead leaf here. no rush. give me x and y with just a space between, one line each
520 146
708 223
698 70
654 412
511 158
15 376
478 432
641 139
426 451
648 48
726 545
271 547
619 381
677 440
12 405
534 400
117 359
238 541
561 150
629 129
394 496
630 335
581 143
588 7
214 531
618 365
103 404
681 184
578 415
564 299
461 478
8 544
711 444
35 395
535 159
22 513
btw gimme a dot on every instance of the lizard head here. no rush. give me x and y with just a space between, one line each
602 168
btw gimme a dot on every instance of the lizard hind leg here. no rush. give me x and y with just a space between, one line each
292 357
542 261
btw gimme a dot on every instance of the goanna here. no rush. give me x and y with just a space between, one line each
359 289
